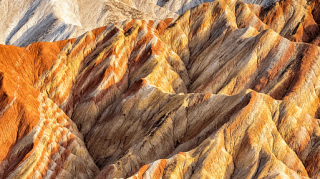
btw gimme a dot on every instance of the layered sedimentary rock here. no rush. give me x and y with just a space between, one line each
180 6
226 90
27 21
37 138
296 20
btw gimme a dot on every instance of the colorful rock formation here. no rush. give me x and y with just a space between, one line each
27 21
226 90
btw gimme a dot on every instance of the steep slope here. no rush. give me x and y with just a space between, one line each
103 103
37 138
26 22
220 92
296 20
214 66
97 70
180 6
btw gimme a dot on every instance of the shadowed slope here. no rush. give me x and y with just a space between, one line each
220 58
221 92
37 138
29 21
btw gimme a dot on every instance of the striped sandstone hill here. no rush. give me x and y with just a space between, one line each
226 90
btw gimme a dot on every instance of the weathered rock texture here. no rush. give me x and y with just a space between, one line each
37 138
27 21
24 22
226 90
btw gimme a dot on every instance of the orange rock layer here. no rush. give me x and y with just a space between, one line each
227 90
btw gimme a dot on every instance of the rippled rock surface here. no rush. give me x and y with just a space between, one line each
225 90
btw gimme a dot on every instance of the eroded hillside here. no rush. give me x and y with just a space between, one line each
226 90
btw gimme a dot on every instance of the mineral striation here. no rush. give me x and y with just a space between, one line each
225 90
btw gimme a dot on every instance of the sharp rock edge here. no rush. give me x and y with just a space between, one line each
226 90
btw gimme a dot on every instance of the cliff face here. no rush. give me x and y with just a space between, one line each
226 90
